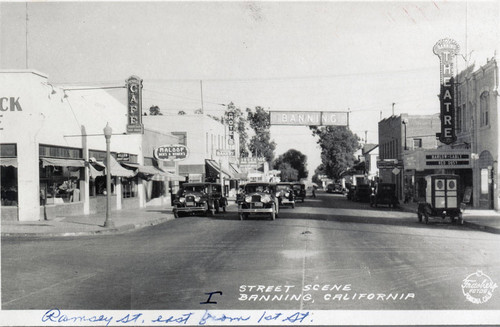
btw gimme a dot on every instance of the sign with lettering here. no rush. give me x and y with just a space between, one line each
226 152
230 123
122 156
134 91
455 159
10 104
171 152
387 163
446 49
310 118
251 160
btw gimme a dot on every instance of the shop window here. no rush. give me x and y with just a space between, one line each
9 186
60 184
129 187
484 109
97 186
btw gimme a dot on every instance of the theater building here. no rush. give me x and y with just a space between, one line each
478 132
53 149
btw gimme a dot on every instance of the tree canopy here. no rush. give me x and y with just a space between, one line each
155 111
296 160
338 144
288 173
261 144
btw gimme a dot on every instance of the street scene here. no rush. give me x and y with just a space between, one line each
249 163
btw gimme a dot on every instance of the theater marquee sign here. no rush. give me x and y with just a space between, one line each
134 105
446 50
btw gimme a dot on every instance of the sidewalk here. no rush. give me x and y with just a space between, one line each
124 220
485 220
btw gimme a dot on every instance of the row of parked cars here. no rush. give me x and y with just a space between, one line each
252 198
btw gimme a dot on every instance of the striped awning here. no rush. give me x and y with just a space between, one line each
215 166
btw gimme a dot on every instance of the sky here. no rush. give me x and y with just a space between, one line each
360 57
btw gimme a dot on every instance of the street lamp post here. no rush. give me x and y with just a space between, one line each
405 122
107 134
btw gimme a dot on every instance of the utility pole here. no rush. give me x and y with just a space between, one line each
393 108
201 90
366 137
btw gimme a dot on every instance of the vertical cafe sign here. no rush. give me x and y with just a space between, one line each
446 50
134 104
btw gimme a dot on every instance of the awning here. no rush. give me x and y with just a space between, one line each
158 174
62 162
95 172
6 162
149 170
117 170
215 166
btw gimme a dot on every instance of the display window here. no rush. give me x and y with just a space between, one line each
60 184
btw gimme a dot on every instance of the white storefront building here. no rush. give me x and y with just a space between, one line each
53 149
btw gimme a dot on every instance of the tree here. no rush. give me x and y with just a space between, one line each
261 144
288 173
155 111
320 170
296 159
198 112
182 112
338 145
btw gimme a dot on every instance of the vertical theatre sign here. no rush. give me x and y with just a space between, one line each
134 105
446 50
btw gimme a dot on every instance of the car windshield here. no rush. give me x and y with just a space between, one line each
257 188
194 188
282 187
297 187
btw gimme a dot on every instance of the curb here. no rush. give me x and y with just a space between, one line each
471 225
116 230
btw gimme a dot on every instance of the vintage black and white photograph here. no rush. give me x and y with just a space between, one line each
285 163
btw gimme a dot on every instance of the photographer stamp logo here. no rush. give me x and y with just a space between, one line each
478 287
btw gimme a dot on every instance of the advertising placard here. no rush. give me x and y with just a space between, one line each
171 152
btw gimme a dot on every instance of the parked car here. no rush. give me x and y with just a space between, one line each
258 198
204 198
285 194
299 189
384 193
334 188
362 193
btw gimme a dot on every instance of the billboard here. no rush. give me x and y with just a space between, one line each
171 152
310 118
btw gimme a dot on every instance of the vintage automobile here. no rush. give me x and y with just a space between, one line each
442 199
299 189
258 198
362 193
285 194
334 188
384 193
205 198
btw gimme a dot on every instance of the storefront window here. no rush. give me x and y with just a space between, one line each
9 186
129 187
59 184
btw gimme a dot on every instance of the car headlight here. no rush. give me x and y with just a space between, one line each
197 199
265 198
278 194
248 199
182 200
287 194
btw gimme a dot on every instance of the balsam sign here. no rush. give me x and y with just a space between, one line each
171 152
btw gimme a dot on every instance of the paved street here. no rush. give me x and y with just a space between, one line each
327 253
